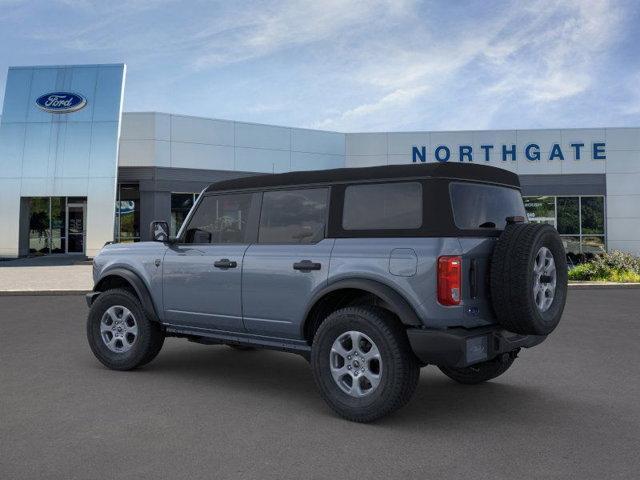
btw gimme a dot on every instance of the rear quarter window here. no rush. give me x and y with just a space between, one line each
476 206
383 206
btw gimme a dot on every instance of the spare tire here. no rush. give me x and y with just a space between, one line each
529 278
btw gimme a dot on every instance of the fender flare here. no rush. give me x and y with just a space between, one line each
397 303
136 283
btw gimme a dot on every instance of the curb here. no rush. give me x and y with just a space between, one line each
41 293
602 286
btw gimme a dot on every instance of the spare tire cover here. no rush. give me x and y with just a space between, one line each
529 278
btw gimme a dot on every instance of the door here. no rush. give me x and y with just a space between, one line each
289 262
202 271
76 220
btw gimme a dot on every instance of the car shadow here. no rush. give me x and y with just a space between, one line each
437 403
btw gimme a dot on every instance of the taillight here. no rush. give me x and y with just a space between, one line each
449 280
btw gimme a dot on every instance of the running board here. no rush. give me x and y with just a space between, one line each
207 337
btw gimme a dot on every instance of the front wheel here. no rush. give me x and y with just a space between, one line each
363 364
119 332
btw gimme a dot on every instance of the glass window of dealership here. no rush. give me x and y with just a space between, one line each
580 220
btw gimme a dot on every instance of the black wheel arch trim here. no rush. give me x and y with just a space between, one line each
397 303
136 283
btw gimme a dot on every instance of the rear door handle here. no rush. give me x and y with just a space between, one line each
306 265
225 263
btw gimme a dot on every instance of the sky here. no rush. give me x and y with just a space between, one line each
347 65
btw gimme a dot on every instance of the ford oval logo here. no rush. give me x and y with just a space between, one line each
61 102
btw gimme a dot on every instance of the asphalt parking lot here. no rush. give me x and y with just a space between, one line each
567 409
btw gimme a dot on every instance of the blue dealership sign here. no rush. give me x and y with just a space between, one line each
61 102
445 153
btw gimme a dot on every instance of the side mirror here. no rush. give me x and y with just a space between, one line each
159 231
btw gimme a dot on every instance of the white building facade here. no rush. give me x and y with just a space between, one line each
81 191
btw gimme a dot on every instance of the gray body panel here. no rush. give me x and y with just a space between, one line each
477 311
264 296
140 258
198 294
274 295
389 261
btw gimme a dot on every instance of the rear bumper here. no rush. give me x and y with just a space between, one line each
461 347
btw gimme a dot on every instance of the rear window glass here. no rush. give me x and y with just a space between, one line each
383 206
477 206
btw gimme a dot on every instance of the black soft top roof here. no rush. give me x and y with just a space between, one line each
461 171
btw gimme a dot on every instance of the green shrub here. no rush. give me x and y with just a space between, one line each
617 260
584 271
614 266
624 276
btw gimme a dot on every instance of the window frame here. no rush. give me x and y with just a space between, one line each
437 211
436 222
251 233
328 196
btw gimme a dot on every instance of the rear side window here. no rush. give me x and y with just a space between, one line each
383 206
220 219
293 216
477 206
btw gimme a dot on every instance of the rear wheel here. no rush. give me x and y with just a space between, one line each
480 372
363 364
120 333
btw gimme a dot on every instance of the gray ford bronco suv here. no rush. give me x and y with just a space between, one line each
369 273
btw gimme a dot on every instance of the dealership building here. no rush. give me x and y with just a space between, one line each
76 171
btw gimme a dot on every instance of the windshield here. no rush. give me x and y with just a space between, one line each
477 206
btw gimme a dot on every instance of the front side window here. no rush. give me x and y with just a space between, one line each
383 206
220 219
477 206
293 216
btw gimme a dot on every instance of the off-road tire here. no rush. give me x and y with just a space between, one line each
400 370
512 278
150 334
480 372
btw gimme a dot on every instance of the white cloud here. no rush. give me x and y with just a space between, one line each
550 57
541 53
398 98
349 64
286 24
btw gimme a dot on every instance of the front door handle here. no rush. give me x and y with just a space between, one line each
225 263
306 265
